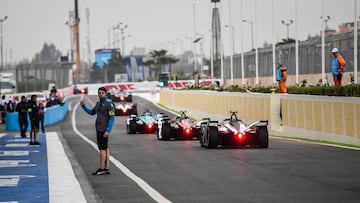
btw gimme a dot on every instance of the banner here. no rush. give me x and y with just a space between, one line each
127 62
102 56
140 68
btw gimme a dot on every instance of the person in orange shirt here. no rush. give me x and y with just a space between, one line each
281 76
338 66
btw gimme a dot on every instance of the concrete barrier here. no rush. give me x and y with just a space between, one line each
324 118
52 116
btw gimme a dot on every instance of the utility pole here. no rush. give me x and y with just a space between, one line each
77 40
71 24
287 27
88 36
122 29
2 48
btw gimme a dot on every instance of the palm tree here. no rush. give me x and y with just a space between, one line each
158 61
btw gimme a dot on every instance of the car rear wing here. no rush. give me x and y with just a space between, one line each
258 123
207 121
165 119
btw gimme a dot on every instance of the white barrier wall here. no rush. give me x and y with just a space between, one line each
334 119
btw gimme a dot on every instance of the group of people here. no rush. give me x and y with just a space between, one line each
29 110
337 70
36 114
7 106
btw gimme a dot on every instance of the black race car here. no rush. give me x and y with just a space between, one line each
77 90
179 128
125 109
143 123
233 132
119 95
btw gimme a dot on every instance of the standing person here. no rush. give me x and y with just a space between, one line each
41 116
22 109
52 100
105 112
281 76
338 66
10 106
2 108
33 111
2 103
53 90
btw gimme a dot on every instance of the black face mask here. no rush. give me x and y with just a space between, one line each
102 100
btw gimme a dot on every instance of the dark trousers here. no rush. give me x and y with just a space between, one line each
23 127
42 125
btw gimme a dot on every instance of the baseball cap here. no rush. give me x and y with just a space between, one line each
334 50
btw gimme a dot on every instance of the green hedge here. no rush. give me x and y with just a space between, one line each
347 91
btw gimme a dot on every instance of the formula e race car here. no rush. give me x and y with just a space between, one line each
179 128
143 123
119 95
233 132
125 109
77 90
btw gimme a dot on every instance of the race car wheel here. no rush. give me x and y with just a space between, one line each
129 98
158 134
132 127
263 137
203 135
212 137
165 131
134 110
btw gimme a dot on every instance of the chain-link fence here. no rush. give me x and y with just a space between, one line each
309 57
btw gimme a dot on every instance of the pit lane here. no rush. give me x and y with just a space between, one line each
182 171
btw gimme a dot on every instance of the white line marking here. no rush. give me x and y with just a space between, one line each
12 180
63 185
15 163
314 142
17 153
145 186
19 140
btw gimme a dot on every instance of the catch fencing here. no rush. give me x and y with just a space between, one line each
309 57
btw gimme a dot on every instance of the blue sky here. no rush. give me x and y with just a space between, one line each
157 22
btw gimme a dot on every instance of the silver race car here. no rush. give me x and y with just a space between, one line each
233 132
143 123
180 128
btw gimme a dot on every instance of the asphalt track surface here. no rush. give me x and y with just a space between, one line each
182 171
